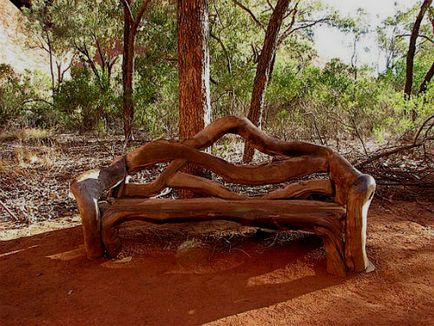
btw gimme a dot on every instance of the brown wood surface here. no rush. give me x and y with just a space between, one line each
359 199
264 68
279 214
181 181
274 172
87 189
342 224
302 189
193 67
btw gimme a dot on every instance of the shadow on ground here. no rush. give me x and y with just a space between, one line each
46 279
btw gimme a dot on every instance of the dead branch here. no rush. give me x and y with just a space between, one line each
416 136
239 4
9 211
386 154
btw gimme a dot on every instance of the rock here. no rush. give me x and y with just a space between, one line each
15 39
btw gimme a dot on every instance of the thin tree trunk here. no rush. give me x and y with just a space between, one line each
412 48
131 25
127 75
50 54
426 79
193 72
263 69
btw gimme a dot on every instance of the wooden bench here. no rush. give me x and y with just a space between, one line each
340 217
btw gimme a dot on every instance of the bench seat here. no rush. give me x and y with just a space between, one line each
335 208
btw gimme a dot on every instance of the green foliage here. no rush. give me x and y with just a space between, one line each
302 99
81 103
23 100
156 93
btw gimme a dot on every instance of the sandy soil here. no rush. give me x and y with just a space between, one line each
189 275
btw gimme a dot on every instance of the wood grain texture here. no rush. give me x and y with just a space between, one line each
341 224
274 172
281 214
193 67
87 189
302 189
182 181
359 199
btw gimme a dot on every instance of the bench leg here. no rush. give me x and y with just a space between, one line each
359 199
87 203
110 236
333 246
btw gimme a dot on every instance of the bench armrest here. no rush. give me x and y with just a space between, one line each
87 189
359 198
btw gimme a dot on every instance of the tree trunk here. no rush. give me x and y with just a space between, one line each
127 75
412 48
193 72
264 68
426 79
193 67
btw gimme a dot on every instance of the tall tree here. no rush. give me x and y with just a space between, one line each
412 48
193 67
131 25
193 72
42 20
426 80
264 67
430 73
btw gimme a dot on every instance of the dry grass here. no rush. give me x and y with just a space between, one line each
26 135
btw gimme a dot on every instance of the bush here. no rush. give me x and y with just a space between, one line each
24 100
83 104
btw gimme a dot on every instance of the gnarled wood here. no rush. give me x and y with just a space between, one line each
275 172
182 181
294 214
359 199
341 224
302 189
87 189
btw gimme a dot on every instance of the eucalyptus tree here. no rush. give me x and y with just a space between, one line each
283 20
414 35
393 37
193 66
133 14
43 21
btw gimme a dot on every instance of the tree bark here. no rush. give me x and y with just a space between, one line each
263 69
193 67
127 75
131 25
193 73
412 48
426 79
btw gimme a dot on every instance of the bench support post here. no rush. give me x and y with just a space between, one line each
359 198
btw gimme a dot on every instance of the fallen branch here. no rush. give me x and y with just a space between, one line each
9 211
416 143
416 136
387 153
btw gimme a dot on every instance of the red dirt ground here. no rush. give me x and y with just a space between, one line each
162 279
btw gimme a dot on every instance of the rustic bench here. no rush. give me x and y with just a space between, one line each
335 208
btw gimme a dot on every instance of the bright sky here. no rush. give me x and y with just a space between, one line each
332 43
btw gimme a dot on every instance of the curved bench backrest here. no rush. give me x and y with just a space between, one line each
294 160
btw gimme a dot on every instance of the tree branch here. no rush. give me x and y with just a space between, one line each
225 51
291 30
239 4
428 76
412 50
420 35
270 5
127 6
136 22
